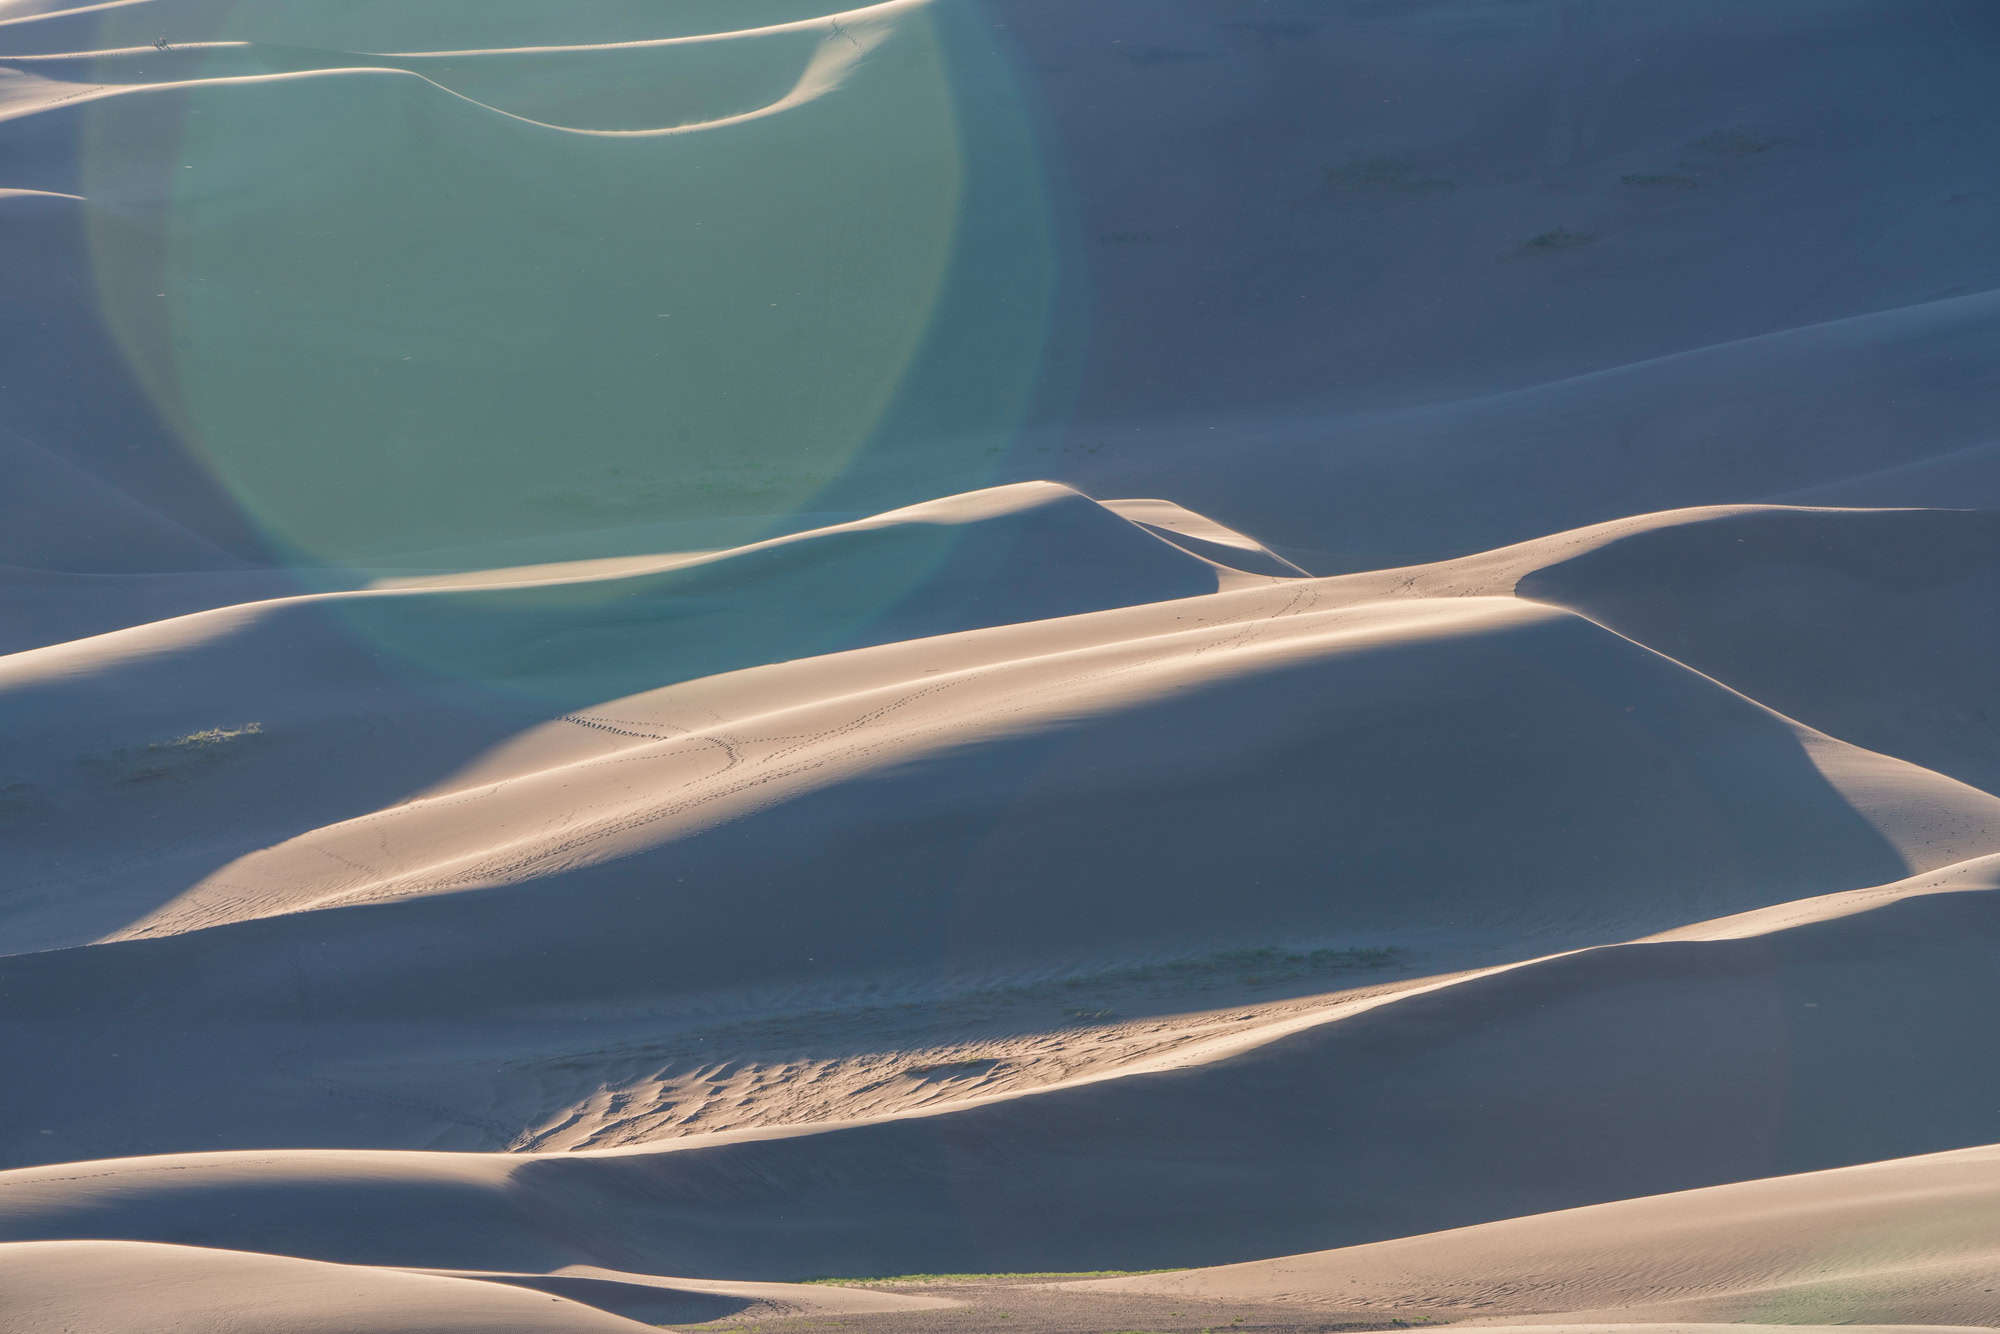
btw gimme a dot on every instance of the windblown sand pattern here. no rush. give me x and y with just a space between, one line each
975 665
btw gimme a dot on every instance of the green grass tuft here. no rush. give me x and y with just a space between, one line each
979 1278
1385 174
164 759
204 740
1561 238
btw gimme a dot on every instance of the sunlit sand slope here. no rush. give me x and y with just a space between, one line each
112 1287
1597 1076
363 872
600 711
1910 1240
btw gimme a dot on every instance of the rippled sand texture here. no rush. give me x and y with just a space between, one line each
651 651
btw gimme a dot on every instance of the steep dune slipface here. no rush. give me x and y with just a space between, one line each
1141 792
1464 780
450 711
1872 625
287 737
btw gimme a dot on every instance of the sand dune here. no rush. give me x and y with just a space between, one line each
650 652
1710 425
82 1287
329 1028
1813 611
78 1287
1912 1239
1679 1066
461 669
956 714
1378 409
1550 785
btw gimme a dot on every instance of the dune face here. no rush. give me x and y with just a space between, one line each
1865 596
195 1289
1910 1239
1338 653
1681 1065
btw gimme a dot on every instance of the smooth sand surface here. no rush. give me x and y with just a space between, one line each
1480 779
398 977
651 652
1910 1239
83 1287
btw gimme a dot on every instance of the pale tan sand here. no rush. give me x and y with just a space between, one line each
501 847
1148 656
703 740
1199 533
659 1300
1912 1240
1661 798
1683 1064
98 1287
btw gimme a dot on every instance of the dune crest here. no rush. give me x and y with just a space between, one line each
998 666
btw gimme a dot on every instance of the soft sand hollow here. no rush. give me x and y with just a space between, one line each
564 765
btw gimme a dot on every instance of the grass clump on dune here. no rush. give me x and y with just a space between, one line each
211 737
1384 174
1560 238
981 1278
160 759
1735 143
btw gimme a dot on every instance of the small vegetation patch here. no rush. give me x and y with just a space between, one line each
1733 143
1387 174
17 798
913 1279
162 759
1561 238
206 740
1164 55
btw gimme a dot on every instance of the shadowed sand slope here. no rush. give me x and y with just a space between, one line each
1461 780
555 732
100 1287
1711 426
1243 736
1868 624
258 722
1914 1239
1612 1073
1517 295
